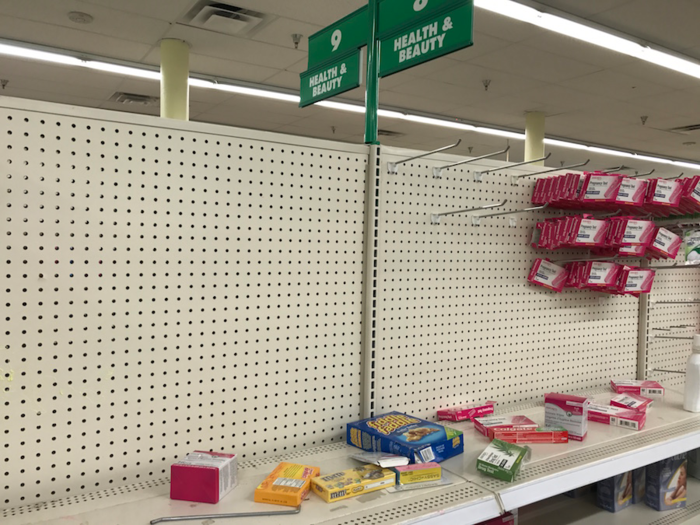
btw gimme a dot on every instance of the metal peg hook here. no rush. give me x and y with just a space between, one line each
674 178
675 267
646 174
654 303
668 371
435 217
619 168
476 219
479 174
673 337
437 172
595 259
518 177
393 167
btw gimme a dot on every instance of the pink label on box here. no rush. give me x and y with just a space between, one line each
547 274
466 412
639 387
667 192
639 281
638 233
591 233
631 402
602 188
632 192
617 416
667 243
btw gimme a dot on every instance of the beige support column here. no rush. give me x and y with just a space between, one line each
534 137
174 85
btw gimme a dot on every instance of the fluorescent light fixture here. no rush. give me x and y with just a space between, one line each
564 144
438 122
121 70
255 92
582 30
501 133
23 52
341 106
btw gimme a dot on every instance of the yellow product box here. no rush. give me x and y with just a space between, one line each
418 473
287 485
352 482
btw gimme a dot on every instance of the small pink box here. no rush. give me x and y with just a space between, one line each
632 192
205 477
570 412
650 389
637 280
547 274
487 425
616 416
638 233
666 243
466 412
631 402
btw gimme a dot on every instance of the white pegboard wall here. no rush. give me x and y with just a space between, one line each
170 287
672 320
458 321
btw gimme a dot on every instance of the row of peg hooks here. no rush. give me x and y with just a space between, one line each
393 167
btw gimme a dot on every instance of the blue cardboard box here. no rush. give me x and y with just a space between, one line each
396 433
667 483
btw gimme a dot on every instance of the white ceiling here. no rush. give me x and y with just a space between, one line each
587 93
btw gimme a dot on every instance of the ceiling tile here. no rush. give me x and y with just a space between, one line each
534 63
670 23
483 45
317 12
490 116
72 39
473 76
60 98
169 10
576 49
614 85
554 94
682 103
441 91
657 75
107 22
209 43
408 101
503 27
279 32
285 79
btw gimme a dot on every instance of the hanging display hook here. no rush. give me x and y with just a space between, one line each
476 219
516 178
478 175
437 172
646 174
393 167
435 217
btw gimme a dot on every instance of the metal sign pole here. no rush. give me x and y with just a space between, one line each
372 87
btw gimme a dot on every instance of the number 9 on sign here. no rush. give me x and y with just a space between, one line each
336 37
419 5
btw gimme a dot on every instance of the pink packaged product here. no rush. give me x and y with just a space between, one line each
617 416
487 425
666 244
635 280
631 402
637 233
665 193
632 192
591 232
547 274
466 412
600 188
593 275
205 477
690 198
650 389
570 412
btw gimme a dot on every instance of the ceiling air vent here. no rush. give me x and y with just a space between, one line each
224 18
134 99
387 133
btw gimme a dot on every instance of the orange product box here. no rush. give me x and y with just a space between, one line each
287 485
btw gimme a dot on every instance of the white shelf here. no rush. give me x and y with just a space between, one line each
471 498
561 510
460 503
606 451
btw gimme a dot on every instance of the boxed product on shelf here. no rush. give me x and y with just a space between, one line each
501 460
632 192
637 232
639 477
650 389
419 440
617 416
466 412
666 483
524 436
380 459
352 482
635 281
600 188
288 484
694 463
418 473
570 412
664 192
632 402
205 477
615 494
546 273
487 425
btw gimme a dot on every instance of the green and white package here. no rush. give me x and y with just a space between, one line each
502 460
691 243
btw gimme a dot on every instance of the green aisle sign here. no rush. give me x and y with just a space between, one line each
330 80
427 40
396 14
336 39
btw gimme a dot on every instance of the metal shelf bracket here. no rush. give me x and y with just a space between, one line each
478 175
476 219
516 178
435 217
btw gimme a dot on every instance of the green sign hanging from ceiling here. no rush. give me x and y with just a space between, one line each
331 79
429 39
